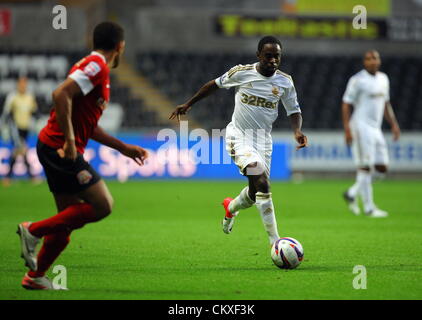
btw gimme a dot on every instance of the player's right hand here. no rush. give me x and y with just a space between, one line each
348 137
69 151
180 110
301 139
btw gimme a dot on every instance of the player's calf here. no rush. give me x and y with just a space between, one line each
100 198
265 206
104 208
259 182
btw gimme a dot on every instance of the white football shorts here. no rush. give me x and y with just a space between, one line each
244 150
369 147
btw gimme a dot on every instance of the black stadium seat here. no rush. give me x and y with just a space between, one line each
45 70
320 83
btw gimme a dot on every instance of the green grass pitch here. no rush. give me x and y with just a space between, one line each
164 241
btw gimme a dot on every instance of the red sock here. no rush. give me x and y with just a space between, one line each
71 218
53 245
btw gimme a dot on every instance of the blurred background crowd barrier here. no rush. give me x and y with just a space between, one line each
173 47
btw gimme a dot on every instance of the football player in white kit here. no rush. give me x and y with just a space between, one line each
368 92
259 87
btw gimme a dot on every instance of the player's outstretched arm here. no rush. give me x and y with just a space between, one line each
296 122
205 91
134 152
346 110
391 119
62 102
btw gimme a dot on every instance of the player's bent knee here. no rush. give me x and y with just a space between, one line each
381 168
254 170
262 184
105 207
110 204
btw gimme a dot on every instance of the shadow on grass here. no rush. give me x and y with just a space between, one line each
75 293
149 292
395 267
263 268
319 268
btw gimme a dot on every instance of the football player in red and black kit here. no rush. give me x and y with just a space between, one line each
81 196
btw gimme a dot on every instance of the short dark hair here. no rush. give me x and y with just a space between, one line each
107 35
370 51
268 39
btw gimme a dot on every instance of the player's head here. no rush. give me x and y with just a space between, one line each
22 84
109 37
269 54
372 61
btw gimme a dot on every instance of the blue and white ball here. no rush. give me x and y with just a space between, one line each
287 253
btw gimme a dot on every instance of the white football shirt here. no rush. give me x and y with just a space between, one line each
257 96
368 94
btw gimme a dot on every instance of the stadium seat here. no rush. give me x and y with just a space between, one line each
320 83
45 89
46 70
7 86
31 85
19 65
43 106
38 65
4 65
58 65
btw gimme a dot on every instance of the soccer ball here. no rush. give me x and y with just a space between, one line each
287 253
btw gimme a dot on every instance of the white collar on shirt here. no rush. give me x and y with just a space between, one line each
370 74
100 55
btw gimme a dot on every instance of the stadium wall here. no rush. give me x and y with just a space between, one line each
328 153
165 25
31 29
185 30
207 159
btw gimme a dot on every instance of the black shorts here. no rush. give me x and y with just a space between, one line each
63 175
23 134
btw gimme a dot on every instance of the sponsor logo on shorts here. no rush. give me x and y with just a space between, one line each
84 177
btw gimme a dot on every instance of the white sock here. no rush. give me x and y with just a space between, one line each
264 203
242 201
365 190
353 190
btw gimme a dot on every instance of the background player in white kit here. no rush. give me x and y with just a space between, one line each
259 88
368 92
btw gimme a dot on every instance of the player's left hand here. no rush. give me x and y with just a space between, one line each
396 133
138 154
301 139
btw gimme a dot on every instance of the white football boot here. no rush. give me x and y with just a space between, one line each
40 283
28 245
377 213
228 220
352 203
